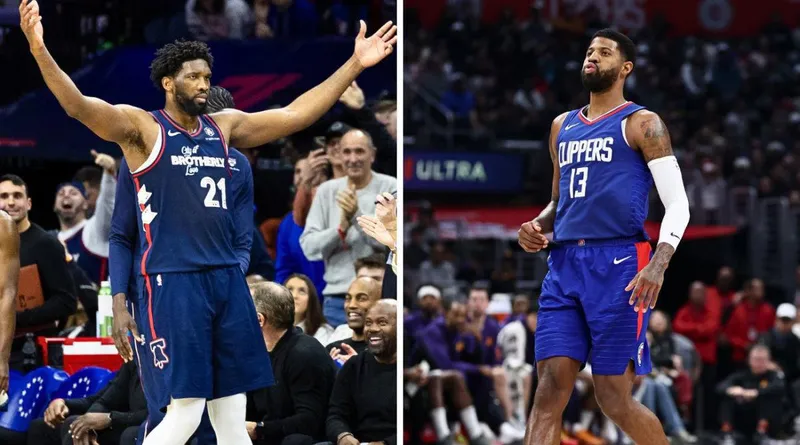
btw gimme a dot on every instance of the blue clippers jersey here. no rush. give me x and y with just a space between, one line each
604 182
185 204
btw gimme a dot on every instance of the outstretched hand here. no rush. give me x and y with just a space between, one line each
370 51
31 23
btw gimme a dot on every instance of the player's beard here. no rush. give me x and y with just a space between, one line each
599 81
189 106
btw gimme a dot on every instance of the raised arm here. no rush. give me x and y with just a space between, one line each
648 134
249 130
114 123
531 233
9 277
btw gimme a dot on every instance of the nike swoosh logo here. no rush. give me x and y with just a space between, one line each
676 236
173 133
570 126
617 261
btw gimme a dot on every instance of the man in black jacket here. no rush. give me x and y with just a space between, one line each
784 346
363 406
293 411
112 416
44 250
752 399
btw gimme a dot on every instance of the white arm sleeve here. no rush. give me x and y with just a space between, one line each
669 184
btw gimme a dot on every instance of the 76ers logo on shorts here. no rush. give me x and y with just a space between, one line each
159 349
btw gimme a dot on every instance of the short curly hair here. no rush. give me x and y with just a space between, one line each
170 58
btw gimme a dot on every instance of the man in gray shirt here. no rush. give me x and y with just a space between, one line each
331 233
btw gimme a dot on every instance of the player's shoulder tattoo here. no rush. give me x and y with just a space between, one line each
652 136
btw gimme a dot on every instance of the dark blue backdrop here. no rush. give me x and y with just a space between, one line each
463 172
260 74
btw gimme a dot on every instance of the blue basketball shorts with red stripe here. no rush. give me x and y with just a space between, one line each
583 308
202 334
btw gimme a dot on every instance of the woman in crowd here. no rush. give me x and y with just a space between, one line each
307 309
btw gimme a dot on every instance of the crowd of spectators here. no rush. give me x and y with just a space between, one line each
725 363
80 30
732 106
322 271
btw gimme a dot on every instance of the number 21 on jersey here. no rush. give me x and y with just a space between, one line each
211 196
577 182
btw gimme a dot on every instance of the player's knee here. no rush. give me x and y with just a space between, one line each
553 391
614 402
453 380
187 413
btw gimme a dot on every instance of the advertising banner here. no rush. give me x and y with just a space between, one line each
463 172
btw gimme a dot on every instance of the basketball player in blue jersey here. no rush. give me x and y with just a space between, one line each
126 252
203 331
9 279
602 282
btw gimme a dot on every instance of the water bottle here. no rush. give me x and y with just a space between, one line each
29 362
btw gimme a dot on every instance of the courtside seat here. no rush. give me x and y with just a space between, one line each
31 398
83 383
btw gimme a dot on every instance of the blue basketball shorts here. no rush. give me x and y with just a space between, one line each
583 308
202 337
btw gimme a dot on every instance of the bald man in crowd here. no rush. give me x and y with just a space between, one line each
355 415
361 296
332 233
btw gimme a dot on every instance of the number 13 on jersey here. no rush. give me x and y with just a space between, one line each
577 182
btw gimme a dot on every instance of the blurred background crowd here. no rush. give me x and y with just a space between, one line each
482 83
63 182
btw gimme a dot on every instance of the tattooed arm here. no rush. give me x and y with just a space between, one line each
648 134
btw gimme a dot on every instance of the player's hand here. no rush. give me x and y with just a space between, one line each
88 422
370 51
353 97
122 324
531 238
376 230
386 209
645 286
4 373
31 23
416 376
251 430
106 162
56 413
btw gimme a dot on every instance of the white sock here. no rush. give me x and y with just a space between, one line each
470 419
586 421
227 416
182 419
439 417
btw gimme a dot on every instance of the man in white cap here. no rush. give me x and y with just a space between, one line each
429 307
784 346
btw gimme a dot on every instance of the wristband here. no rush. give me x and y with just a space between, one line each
339 440
342 236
